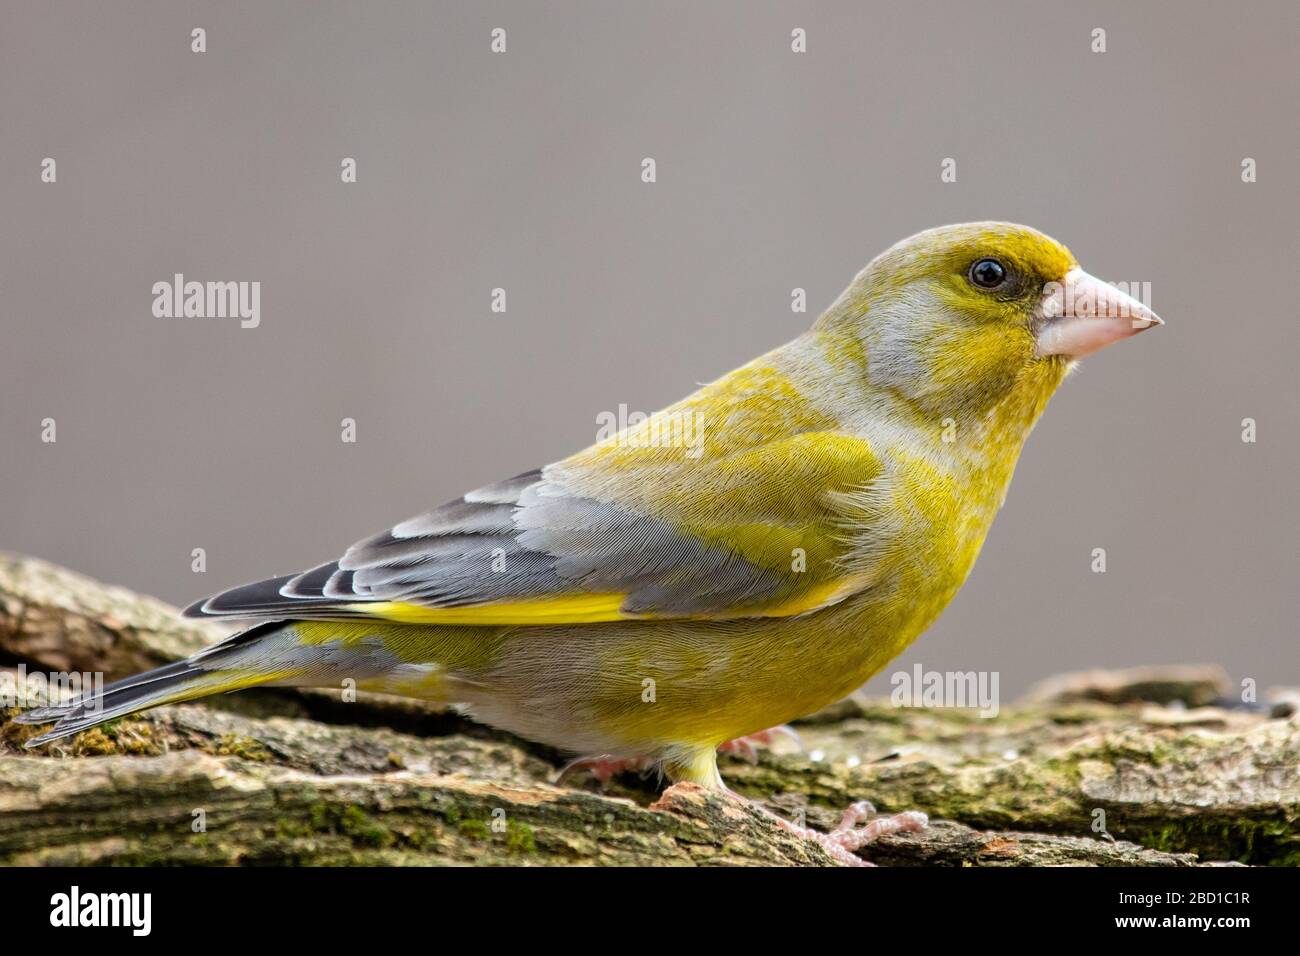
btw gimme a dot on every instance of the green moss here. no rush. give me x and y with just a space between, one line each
365 830
14 736
519 838
123 735
349 821
246 748
291 828
1268 843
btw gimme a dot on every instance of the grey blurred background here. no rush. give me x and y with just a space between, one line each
522 171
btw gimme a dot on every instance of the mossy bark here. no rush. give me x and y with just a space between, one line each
1147 769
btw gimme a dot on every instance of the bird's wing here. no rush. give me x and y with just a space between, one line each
749 525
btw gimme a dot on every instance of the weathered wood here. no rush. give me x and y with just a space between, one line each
292 777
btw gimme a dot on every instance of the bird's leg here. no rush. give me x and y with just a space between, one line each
603 768
747 747
858 827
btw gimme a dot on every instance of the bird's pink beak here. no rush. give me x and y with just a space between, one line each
1084 314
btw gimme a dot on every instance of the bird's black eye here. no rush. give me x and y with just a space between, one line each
988 273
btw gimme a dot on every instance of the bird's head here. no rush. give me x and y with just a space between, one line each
958 318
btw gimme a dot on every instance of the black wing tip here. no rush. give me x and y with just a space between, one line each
58 732
260 599
196 609
47 738
118 699
43 715
52 714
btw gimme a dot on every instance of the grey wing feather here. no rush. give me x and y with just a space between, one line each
513 540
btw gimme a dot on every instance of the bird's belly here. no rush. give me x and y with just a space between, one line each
637 687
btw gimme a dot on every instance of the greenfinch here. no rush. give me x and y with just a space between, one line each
740 559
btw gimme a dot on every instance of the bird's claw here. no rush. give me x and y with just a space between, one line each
747 747
857 829
852 835
602 768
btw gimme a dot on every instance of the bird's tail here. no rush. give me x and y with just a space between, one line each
269 653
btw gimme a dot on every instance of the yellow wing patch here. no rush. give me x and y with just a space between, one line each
591 609
575 609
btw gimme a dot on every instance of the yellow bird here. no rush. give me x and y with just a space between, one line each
740 559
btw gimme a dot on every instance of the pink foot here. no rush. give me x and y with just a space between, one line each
604 768
842 842
747 747
839 844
